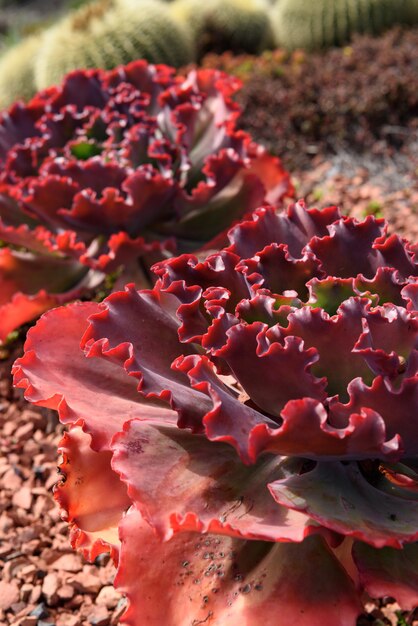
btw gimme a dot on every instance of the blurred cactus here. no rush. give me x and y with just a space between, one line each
411 12
324 23
108 33
219 25
16 71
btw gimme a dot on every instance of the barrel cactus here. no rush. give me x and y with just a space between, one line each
108 33
219 25
112 170
315 25
410 12
17 64
243 438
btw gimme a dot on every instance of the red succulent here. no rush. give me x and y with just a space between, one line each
249 426
114 170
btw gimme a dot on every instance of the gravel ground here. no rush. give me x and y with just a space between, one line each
42 582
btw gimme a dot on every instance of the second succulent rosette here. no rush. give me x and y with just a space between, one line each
113 170
243 437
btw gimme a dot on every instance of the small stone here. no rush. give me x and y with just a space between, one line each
67 619
15 563
75 602
50 587
26 621
25 592
99 616
35 594
86 583
6 549
108 596
23 498
65 592
9 428
28 572
11 480
40 611
9 594
68 563
24 432
119 611
18 607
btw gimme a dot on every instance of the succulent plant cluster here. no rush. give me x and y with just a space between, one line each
115 169
243 437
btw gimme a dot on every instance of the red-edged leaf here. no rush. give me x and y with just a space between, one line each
91 496
270 170
271 372
22 309
307 431
335 250
334 338
294 228
341 498
397 405
227 419
28 273
203 486
97 393
223 581
137 325
389 572
32 284
275 270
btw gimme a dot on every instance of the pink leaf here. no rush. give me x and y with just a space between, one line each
389 572
230 582
95 393
203 486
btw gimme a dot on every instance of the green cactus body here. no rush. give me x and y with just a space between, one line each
219 25
324 23
411 12
109 33
16 71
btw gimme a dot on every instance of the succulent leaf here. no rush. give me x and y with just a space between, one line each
91 496
243 583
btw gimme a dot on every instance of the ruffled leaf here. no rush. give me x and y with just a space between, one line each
115 332
94 393
341 498
202 486
91 496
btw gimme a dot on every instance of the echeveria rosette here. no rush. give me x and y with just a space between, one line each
260 408
115 170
